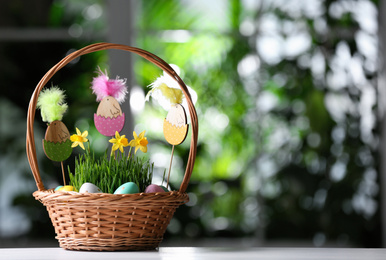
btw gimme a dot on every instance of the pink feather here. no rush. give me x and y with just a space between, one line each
102 86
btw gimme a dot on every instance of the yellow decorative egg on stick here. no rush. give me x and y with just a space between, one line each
175 125
169 95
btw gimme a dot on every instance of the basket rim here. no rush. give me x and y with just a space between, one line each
30 139
72 198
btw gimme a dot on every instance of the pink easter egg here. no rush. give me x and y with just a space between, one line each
152 188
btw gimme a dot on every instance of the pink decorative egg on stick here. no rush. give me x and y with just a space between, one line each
109 117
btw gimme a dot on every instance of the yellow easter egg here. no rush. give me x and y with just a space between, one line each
67 188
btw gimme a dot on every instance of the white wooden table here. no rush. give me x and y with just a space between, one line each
189 253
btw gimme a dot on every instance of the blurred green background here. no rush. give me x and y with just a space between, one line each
289 140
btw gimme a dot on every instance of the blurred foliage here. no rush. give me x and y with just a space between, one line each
284 147
288 140
23 64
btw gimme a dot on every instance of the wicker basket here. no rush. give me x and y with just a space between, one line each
110 222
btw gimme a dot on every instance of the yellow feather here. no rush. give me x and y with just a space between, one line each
174 95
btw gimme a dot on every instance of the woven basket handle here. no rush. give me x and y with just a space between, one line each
30 140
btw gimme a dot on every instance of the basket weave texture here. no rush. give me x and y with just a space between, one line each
110 222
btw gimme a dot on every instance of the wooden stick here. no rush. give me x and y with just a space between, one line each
170 167
64 178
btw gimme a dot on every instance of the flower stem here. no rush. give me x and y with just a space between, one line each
129 152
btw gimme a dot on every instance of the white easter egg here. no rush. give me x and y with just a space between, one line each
90 188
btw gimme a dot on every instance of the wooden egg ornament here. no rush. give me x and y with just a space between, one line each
109 117
175 126
110 92
57 143
109 107
169 95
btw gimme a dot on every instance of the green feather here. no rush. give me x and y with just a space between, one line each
51 104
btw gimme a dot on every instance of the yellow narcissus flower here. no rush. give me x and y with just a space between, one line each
79 138
118 142
139 142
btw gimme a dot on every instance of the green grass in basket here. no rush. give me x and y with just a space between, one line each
110 173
